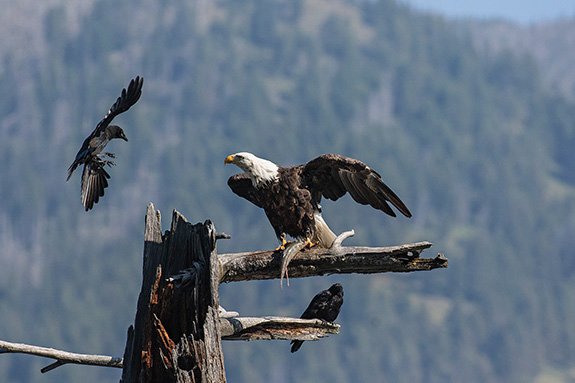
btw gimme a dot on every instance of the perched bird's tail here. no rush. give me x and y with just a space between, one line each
295 345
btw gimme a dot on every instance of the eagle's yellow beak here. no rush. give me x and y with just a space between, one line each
229 159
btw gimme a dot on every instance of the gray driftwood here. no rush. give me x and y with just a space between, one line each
247 328
62 357
321 261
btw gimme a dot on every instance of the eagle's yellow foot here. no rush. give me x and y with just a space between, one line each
309 244
283 245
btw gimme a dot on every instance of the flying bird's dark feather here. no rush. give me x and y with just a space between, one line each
94 181
122 104
325 306
94 176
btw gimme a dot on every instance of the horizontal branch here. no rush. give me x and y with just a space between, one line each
320 261
248 328
62 357
236 328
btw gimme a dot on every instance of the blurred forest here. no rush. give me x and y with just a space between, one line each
476 138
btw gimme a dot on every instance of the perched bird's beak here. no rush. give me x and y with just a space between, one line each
229 159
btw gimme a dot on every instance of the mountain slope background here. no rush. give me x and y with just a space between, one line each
476 141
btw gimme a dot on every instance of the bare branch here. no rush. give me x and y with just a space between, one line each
321 261
62 357
339 239
247 328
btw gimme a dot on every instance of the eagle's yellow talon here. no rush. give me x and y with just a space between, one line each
309 244
282 247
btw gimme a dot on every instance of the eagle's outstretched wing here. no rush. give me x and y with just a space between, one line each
241 184
332 175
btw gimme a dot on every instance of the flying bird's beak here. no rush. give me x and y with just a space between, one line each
229 159
125 138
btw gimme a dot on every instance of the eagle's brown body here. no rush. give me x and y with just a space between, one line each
288 205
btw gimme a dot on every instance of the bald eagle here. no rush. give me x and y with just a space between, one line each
291 196
95 177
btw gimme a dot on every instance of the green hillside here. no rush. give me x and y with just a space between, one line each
477 145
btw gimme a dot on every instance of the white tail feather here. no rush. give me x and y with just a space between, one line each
323 234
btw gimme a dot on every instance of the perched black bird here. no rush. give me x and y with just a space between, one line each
94 176
325 306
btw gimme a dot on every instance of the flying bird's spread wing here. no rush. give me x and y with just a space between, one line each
325 306
241 184
94 181
332 175
122 104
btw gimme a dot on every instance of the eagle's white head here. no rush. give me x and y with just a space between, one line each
260 171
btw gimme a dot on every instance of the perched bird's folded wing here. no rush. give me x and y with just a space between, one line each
332 175
317 306
94 181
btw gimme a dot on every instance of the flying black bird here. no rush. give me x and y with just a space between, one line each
291 196
95 177
325 306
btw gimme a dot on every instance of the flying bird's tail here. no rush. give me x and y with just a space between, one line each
94 181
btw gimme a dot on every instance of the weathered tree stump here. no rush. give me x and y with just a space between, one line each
176 335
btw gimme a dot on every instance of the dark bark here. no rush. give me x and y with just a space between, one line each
176 336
